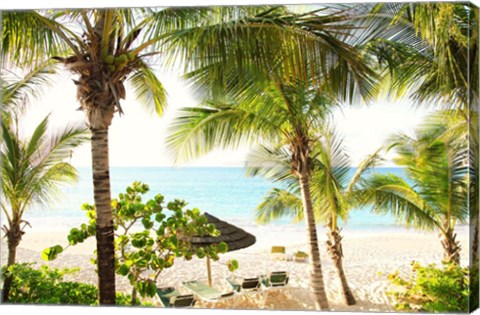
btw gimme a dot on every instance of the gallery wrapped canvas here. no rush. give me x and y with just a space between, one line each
305 156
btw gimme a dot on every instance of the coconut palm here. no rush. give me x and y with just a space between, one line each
32 169
107 48
429 50
281 113
434 196
271 110
19 91
332 185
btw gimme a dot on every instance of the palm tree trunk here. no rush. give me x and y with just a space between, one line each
451 247
475 243
14 236
104 227
334 247
316 275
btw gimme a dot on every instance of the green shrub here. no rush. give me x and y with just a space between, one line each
432 289
474 294
149 236
47 286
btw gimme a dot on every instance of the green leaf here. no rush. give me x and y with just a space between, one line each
159 217
222 247
169 261
202 220
51 253
232 265
123 270
151 289
200 252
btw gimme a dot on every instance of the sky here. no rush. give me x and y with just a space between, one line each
137 138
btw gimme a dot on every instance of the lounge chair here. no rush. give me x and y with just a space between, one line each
207 293
275 279
244 284
247 287
170 297
300 256
278 252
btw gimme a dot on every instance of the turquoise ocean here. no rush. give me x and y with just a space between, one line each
221 191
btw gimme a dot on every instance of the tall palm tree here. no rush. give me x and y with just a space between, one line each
281 113
435 195
273 111
273 86
439 66
32 169
107 48
332 185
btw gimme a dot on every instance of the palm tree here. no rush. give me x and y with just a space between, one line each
107 48
272 85
33 169
437 52
439 66
332 190
435 194
282 113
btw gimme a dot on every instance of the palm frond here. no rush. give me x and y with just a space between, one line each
273 164
298 45
392 194
30 37
19 91
32 169
197 131
367 164
149 89
278 203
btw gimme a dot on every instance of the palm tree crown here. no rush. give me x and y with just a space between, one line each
434 195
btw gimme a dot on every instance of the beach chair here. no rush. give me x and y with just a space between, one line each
207 293
246 287
275 279
300 256
170 297
278 253
244 284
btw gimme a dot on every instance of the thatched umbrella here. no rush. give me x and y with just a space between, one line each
235 237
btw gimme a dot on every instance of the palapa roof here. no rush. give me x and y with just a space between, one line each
235 237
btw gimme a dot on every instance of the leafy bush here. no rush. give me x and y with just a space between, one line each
432 289
149 236
47 286
474 287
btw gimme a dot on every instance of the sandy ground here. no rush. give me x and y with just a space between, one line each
368 258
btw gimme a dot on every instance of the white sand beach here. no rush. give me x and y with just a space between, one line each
368 259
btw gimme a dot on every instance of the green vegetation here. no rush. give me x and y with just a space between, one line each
434 196
149 236
217 40
45 285
433 289
332 190
265 75
32 168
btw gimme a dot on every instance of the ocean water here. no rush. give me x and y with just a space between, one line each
223 192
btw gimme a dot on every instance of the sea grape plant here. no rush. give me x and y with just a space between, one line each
149 236
432 288
45 285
